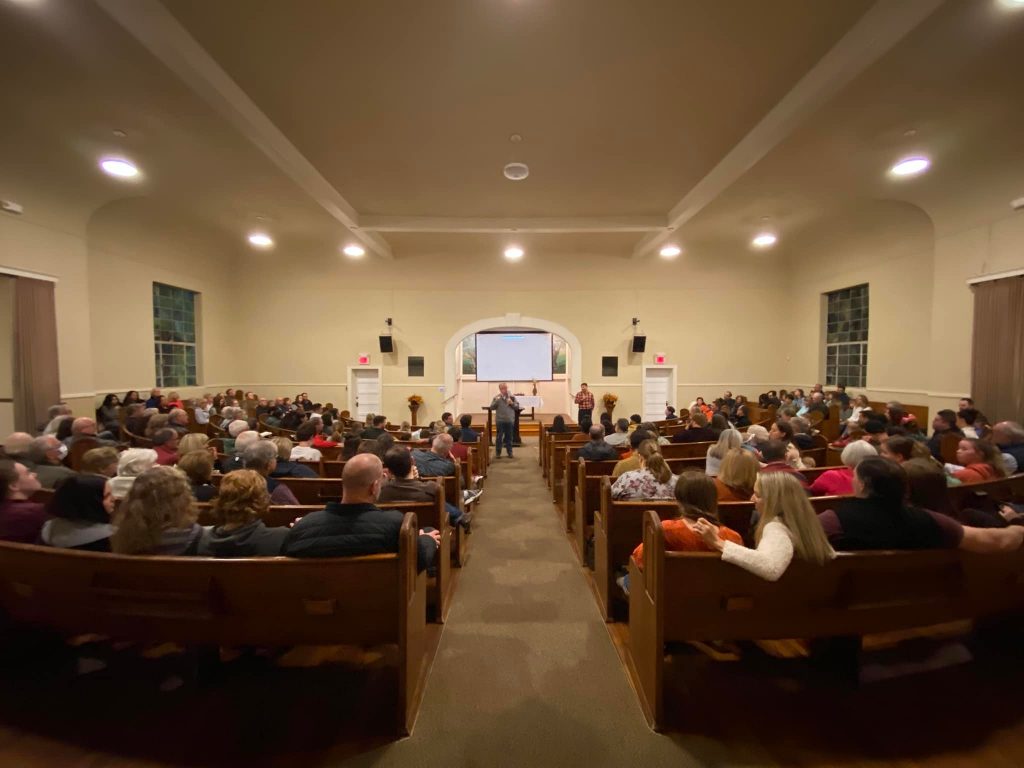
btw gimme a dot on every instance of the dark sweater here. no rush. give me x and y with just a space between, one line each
251 540
349 530
696 435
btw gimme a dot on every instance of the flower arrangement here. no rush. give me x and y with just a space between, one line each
415 401
609 400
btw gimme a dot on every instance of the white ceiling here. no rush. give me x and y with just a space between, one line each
388 120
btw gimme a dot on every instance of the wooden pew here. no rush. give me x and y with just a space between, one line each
988 495
429 516
204 602
552 439
453 495
686 597
587 489
618 529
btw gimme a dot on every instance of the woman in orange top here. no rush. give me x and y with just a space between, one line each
735 481
698 500
981 461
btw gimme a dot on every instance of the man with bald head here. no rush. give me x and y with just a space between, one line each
355 525
84 427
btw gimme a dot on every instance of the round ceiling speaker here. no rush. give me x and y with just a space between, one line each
516 171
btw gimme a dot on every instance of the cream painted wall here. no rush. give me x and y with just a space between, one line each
692 310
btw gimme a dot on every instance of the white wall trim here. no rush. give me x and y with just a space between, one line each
517 321
25 273
995 276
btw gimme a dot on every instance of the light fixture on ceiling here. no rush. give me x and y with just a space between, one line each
669 251
516 171
514 253
764 240
119 167
910 166
354 251
261 240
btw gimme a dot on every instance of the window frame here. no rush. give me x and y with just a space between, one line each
188 362
846 335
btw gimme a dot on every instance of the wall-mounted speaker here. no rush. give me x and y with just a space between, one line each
387 344
639 343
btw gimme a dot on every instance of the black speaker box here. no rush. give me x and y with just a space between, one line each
387 344
639 343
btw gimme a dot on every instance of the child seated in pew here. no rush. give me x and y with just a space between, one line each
787 527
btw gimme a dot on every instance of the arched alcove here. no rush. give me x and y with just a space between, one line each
574 371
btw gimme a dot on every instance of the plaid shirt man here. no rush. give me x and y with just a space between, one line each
585 400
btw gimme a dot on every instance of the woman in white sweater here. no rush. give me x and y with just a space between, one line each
787 527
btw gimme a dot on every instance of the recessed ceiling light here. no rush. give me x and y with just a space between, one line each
764 240
119 167
670 251
261 240
910 166
353 250
516 171
514 253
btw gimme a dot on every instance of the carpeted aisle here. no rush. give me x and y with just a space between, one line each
526 674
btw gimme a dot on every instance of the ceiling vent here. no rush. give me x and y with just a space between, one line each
516 171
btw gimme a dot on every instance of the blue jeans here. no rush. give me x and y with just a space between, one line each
454 515
505 429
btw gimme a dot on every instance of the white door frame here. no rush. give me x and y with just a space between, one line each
672 385
352 385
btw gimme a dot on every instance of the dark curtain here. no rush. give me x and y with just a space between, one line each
36 377
997 360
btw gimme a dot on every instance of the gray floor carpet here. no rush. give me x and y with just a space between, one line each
526 674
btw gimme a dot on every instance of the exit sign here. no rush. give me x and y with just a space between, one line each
659 359
364 359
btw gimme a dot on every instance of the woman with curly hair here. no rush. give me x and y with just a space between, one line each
158 517
238 509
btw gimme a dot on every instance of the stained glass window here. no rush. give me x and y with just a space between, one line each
174 336
846 337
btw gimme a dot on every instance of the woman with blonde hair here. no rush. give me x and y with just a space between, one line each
198 467
735 480
729 439
158 517
194 441
653 480
238 510
788 527
978 461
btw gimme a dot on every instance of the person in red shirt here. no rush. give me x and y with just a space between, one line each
459 449
773 453
165 443
21 520
979 462
585 400
698 500
319 440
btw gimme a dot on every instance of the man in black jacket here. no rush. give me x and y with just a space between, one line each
597 449
355 525
697 432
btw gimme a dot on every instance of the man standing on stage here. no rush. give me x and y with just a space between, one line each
585 400
504 406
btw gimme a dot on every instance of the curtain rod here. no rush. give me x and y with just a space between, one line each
24 273
996 276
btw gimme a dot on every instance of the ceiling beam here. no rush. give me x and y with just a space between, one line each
499 225
163 36
874 34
